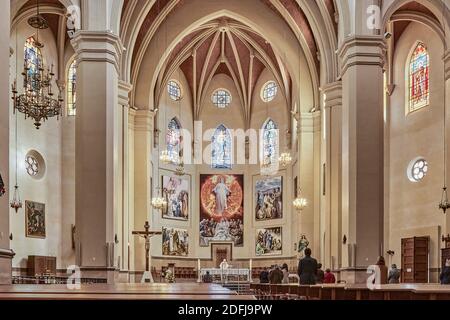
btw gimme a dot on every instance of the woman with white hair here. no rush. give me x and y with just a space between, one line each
445 275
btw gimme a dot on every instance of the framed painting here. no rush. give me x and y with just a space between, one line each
176 193
269 199
269 241
221 209
175 242
35 220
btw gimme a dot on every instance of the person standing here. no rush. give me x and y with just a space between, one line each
394 275
445 274
285 270
307 269
382 273
276 275
320 274
264 276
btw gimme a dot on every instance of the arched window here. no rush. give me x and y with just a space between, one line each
174 140
33 58
174 90
221 148
71 89
419 81
270 141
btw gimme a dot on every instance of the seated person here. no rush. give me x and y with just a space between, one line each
207 278
445 275
329 277
264 276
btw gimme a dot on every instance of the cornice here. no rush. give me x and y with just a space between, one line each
7 253
100 46
332 94
362 50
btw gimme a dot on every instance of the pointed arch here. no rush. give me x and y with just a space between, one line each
221 148
174 140
270 142
71 94
34 60
418 78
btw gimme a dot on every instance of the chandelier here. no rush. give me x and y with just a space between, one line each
37 100
165 157
179 170
285 159
300 203
16 203
159 202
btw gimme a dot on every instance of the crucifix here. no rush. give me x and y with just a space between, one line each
147 234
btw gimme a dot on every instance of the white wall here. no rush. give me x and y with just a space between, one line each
413 207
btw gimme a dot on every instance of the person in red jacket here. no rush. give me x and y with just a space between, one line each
329 277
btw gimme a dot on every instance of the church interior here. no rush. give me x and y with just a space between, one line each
155 144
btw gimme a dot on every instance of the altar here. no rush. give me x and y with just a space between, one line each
227 275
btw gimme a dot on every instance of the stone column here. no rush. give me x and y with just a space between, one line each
143 179
6 254
97 146
332 160
447 108
123 224
362 59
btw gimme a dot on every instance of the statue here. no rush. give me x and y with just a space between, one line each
303 243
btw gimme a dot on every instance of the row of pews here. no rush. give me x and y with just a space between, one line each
350 292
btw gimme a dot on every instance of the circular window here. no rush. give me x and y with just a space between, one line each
269 91
34 164
174 90
417 169
221 98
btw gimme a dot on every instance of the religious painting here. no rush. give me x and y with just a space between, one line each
35 220
176 193
222 209
269 242
269 199
419 91
175 242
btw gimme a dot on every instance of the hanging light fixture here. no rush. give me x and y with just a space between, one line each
285 159
444 205
37 101
159 202
16 202
300 203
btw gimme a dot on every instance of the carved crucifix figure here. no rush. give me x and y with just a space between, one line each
147 234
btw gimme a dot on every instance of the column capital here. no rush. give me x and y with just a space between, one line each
332 94
101 46
124 93
309 122
143 120
362 50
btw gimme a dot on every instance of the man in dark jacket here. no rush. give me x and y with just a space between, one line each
307 269
276 275
264 276
445 275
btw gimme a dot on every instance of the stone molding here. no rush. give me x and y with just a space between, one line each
98 46
7 254
332 94
362 51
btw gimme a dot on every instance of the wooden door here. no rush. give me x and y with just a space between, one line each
415 255
221 254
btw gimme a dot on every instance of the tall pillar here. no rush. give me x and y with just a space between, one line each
124 229
97 148
362 59
447 108
6 254
332 160
143 179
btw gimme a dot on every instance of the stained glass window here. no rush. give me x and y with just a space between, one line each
221 146
417 170
221 98
174 140
33 57
174 90
270 143
269 91
32 166
419 88
71 89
